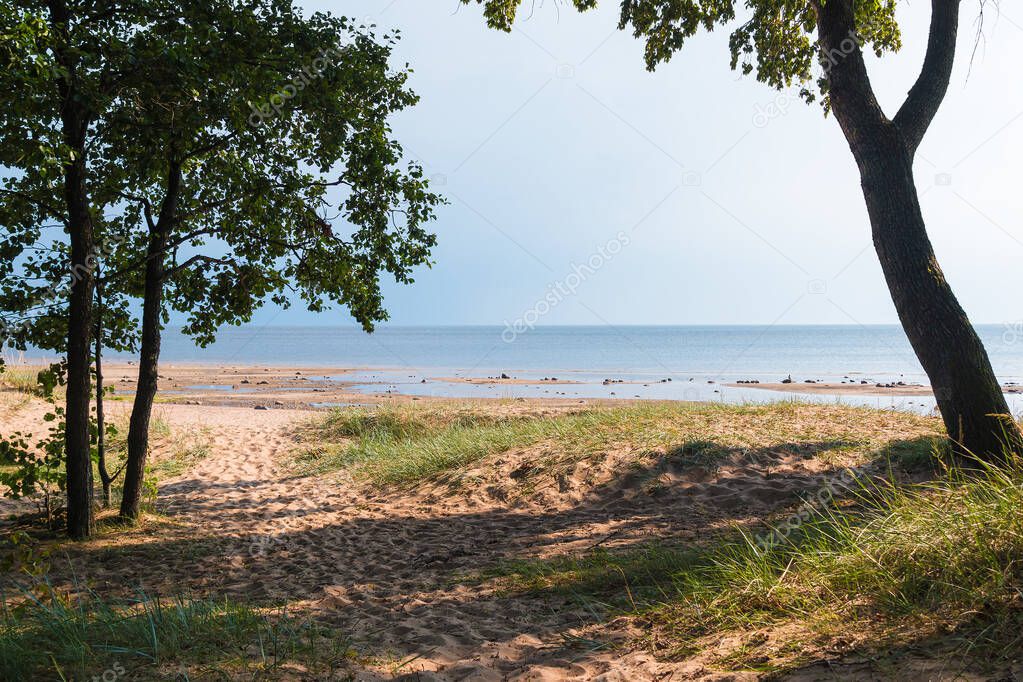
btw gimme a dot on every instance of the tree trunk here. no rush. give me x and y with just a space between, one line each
969 397
971 402
74 125
145 392
101 456
149 355
79 384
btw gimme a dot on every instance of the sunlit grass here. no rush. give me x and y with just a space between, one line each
21 378
405 444
173 451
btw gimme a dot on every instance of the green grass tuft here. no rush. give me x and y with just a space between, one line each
57 639
403 445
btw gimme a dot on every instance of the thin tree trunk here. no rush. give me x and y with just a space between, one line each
145 392
101 458
149 356
75 124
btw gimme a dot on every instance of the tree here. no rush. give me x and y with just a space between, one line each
33 300
780 40
213 139
253 127
63 59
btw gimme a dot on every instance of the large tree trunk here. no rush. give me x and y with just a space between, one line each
969 397
971 402
149 355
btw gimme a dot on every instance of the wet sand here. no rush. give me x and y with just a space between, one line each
833 388
512 381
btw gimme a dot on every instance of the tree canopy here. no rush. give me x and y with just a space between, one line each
203 157
272 133
278 127
772 39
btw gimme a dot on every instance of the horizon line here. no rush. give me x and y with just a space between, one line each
453 325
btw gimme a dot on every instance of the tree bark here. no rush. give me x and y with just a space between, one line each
77 443
969 397
149 355
74 125
972 404
101 457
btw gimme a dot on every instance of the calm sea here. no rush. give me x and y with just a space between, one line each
760 352
655 362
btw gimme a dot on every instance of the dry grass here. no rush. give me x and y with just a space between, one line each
895 565
173 451
410 443
21 378
12 402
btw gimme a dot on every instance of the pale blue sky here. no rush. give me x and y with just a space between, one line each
553 139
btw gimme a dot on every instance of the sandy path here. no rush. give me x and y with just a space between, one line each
379 568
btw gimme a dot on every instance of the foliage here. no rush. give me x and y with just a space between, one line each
290 181
233 154
772 38
39 468
34 247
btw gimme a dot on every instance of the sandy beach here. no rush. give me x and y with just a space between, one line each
392 567
483 342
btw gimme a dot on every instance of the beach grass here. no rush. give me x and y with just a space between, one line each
175 451
21 378
409 443
900 563
152 638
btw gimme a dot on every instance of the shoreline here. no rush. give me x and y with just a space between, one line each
832 388
304 386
